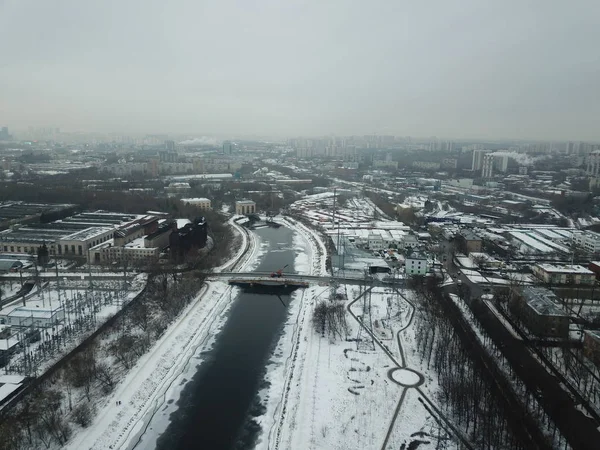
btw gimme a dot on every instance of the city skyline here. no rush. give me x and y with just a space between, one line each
477 71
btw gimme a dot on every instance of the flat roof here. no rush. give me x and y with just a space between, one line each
198 199
469 235
37 313
565 268
416 255
88 233
136 243
594 333
105 244
543 301
7 389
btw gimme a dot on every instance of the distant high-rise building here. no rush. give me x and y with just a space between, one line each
500 162
478 155
227 148
4 136
170 146
487 166
593 164
167 156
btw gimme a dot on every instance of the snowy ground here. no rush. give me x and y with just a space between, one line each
345 393
149 391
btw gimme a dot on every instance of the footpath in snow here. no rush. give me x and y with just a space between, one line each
338 394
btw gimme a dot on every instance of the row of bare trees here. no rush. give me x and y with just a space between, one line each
464 392
329 319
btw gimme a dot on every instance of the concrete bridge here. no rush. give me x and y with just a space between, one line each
312 279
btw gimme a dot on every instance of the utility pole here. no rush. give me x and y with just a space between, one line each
57 279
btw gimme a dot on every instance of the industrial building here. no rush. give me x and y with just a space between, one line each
540 311
23 212
98 236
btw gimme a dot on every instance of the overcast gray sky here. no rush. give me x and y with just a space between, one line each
469 68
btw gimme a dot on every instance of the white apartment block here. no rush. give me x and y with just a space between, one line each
376 242
415 264
587 240
487 167
200 203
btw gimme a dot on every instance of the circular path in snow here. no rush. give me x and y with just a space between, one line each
406 377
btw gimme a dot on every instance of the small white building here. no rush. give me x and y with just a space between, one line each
410 241
244 207
24 316
201 203
485 261
564 274
415 264
376 242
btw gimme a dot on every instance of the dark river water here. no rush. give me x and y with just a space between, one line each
216 407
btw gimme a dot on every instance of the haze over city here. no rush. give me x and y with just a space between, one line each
472 69
281 225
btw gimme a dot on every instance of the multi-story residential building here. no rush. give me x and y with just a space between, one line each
588 241
469 242
427 165
376 242
478 155
200 203
540 311
593 168
415 264
593 164
555 274
449 163
487 166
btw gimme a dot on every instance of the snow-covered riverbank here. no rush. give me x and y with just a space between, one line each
148 393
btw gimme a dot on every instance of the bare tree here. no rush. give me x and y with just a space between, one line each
82 370
82 414
11 432
105 375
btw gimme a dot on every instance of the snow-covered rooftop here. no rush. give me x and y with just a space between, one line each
565 268
86 234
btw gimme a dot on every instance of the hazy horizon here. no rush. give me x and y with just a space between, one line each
465 69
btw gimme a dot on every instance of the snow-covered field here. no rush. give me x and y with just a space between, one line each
343 393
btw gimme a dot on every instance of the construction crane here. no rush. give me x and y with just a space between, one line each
278 273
